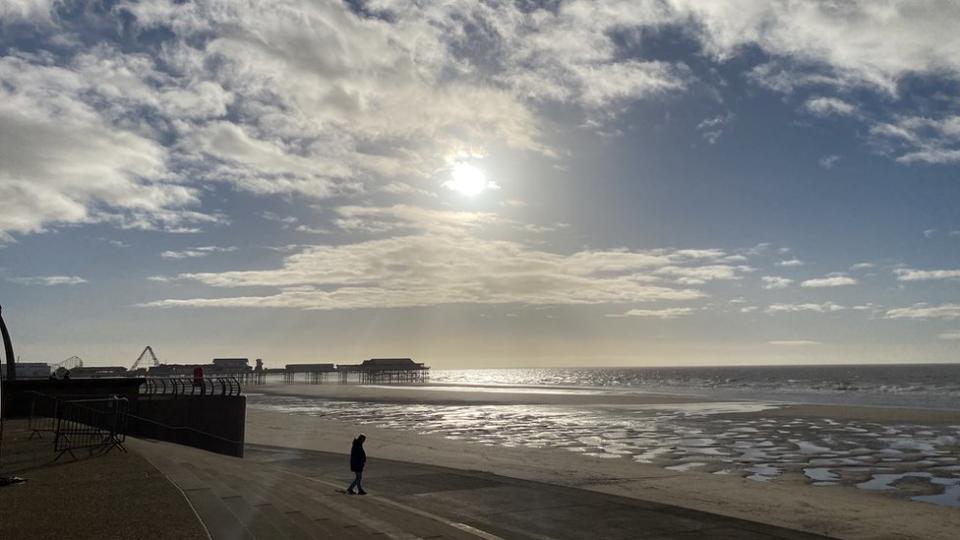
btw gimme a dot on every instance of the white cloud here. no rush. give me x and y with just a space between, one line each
827 162
826 307
829 281
925 311
48 280
795 343
828 106
712 128
193 253
907 274
863 266
776 282
949 336
790 262
920 138
61 161
441 260
857 41
698 275
665 313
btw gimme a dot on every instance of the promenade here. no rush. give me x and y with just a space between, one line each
278 492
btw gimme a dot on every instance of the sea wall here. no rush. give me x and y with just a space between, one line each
211 422
19 394
214 423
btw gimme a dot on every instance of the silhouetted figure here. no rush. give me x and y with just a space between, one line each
358 458
198 379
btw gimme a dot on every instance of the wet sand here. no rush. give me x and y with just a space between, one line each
879 415
842 511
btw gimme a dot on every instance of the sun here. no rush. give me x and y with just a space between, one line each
467 179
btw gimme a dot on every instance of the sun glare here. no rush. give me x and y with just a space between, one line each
466 179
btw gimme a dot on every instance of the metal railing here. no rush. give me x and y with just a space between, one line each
79 422
98 425
185 386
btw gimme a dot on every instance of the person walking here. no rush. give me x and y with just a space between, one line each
358 458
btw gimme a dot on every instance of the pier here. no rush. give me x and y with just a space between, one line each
373 371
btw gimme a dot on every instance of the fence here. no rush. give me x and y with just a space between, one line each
185 386
93 424
44 412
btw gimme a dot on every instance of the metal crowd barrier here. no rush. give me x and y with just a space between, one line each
185 386
97 424
43 415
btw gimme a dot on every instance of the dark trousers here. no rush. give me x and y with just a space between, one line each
356 481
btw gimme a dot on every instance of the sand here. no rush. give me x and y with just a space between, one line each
843 512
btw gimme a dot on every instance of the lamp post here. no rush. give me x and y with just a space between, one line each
8 350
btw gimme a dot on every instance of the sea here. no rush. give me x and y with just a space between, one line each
908 460
934 386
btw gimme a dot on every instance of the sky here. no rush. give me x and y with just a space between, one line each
481 183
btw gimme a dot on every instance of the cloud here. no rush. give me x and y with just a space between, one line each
907 274
63 162
863 266
829 281
712 128
952 336
826 307
790 262
439 259
828 106
196 252
920 139
776 282
855 42
698 275
795 343
665 313
827 162
48 280
925 311
434 269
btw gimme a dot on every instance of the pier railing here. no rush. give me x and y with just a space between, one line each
185 386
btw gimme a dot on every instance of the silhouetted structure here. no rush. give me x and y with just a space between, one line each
8 350
315 373
392 370
147 355
98 371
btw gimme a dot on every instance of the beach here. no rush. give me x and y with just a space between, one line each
725 457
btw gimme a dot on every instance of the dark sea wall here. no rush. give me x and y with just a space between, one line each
213 423
20 394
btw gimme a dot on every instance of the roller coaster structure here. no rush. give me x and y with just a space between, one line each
146 354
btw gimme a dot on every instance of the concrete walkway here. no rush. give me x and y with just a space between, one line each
287 493
94 497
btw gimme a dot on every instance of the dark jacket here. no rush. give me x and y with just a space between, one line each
357 456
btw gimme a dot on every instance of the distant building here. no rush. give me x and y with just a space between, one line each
390 363
173 370
231 364
98 371
29 370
